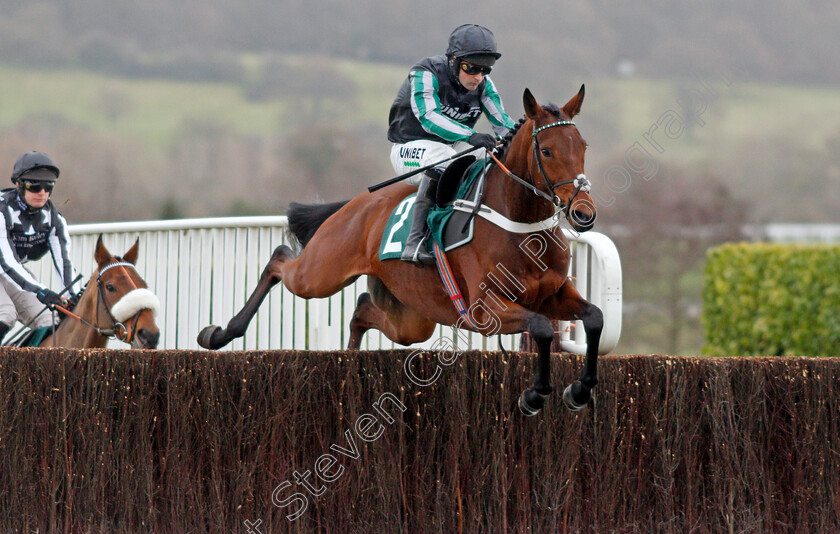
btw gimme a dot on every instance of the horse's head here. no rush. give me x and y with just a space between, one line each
556 162
124 298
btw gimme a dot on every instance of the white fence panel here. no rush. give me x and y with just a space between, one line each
203 270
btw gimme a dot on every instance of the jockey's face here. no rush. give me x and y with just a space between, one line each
470 75
37 199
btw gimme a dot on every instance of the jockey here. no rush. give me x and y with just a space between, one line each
31 226
433 116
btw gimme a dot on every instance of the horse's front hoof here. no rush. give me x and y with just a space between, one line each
576 396
205 337
531 402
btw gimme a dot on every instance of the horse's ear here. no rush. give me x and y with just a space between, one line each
532 108
131 255
101 254
572 107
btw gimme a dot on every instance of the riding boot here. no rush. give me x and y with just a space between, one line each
4 329
415 246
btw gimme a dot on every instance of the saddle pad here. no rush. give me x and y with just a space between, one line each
33 338
448 227
397 229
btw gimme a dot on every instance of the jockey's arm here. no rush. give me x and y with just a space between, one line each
425 104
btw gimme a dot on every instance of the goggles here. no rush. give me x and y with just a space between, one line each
471 69
37 187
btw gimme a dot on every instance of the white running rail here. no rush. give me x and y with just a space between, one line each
204 269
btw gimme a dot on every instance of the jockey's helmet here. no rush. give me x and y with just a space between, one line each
474 43
36 166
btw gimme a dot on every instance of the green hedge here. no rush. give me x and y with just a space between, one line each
772 300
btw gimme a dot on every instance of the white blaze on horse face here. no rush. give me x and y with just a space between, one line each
134 302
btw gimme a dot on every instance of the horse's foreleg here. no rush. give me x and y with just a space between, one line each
532 400
577 394
214 337
571 306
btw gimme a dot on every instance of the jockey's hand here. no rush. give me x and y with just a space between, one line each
482 140
50 298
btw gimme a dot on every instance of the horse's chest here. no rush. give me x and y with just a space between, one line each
539 288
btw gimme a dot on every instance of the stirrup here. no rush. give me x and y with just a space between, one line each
424 258
420 256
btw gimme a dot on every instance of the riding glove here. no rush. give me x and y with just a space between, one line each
482 140
50 298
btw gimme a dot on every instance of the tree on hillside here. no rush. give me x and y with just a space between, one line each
329 163
662 228
790 180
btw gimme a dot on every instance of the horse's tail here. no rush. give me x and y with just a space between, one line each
305 219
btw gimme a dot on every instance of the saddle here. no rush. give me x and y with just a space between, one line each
450 228
31 338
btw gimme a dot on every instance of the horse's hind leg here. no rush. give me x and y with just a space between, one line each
382 311
215 337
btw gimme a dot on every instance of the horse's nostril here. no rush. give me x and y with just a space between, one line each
148 339
582 221
582 217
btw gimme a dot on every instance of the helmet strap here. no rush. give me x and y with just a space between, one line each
454 67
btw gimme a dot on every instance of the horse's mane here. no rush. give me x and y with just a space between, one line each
74 301
504 144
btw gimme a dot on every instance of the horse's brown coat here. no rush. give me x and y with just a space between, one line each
410 300
141 329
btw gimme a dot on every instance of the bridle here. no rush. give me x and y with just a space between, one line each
580 182
117 330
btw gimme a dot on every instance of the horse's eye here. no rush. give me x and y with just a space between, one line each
546 152
110 288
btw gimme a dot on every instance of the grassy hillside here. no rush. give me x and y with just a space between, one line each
154 111
764 136
149 110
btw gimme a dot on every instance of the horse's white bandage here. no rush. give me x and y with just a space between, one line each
134 302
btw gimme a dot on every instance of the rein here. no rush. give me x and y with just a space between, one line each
580 182
109 333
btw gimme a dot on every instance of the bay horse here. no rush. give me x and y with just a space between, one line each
538 176
116 303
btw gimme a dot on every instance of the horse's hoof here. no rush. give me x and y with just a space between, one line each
576 397
531 402
205 337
